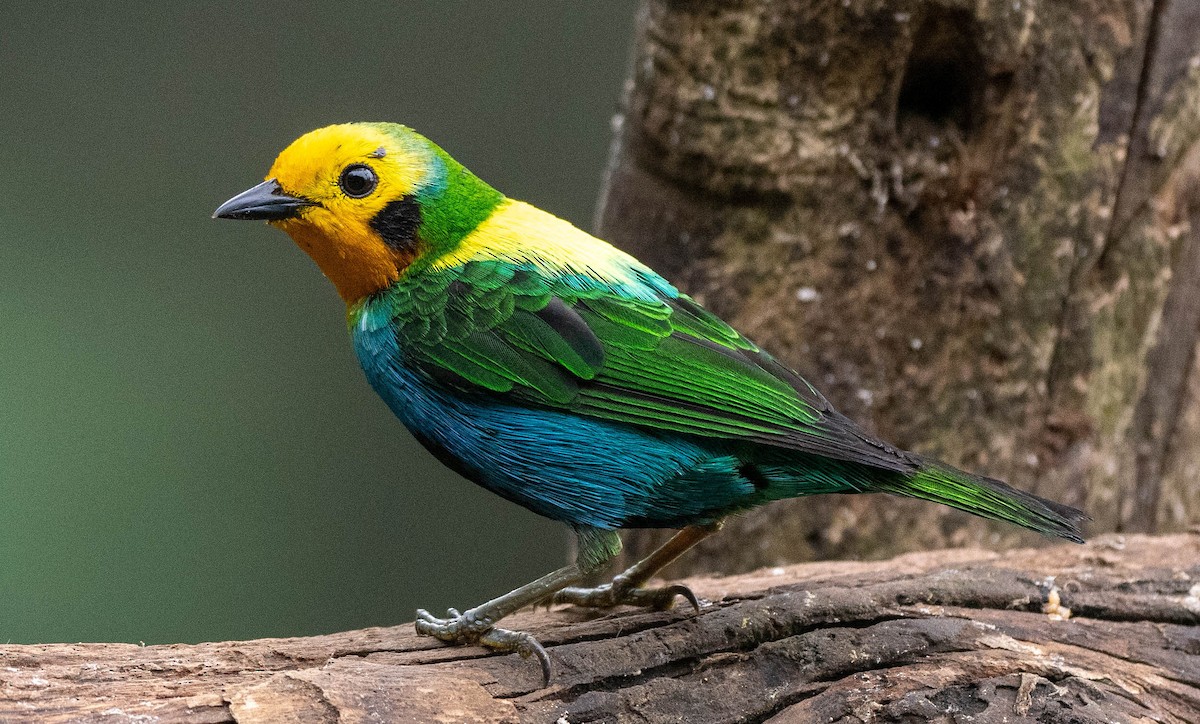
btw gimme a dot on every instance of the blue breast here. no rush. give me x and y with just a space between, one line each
569 468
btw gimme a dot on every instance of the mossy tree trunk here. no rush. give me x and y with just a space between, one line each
973 225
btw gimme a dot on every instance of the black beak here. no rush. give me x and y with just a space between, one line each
264 202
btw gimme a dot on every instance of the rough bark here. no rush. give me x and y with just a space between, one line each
973 225
953 635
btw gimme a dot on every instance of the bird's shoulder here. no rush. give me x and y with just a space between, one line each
519 260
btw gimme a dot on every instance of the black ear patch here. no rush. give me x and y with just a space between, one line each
398 223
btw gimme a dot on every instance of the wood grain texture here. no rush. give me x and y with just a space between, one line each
938 636
971 224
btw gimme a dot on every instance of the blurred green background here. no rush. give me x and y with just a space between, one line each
188 450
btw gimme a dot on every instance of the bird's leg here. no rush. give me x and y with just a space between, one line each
478 625
626 587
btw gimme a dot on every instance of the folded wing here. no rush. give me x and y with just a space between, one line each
649 358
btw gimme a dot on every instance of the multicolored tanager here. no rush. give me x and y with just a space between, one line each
564 375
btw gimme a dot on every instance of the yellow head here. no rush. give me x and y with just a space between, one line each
365 200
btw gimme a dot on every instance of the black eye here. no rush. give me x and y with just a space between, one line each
358 180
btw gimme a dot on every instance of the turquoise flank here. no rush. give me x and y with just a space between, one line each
581 470
565 467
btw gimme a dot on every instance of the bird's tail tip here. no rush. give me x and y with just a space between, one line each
993 499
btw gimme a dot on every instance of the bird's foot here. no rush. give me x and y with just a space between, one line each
623 592
473 627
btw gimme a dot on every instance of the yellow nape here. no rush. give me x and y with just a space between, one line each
520 232
336 232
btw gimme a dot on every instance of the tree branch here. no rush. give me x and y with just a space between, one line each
918 636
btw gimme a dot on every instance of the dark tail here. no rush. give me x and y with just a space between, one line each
989 498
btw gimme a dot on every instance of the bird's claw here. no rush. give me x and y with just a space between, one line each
614 594
456 628
471 628
500 639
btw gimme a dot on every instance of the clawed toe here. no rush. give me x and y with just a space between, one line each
610 596
664 598
439 628
526 645
455 628
468 628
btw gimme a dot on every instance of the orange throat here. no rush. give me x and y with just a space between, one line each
355 260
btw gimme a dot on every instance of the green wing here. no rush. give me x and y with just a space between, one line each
637 354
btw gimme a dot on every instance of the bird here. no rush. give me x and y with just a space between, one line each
564 375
